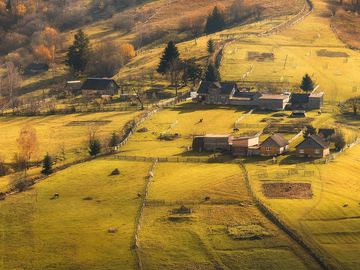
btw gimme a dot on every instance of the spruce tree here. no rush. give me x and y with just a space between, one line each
47 165
212 74
210 46
114 140
215 22
79 52
94 147
309 130
307 84
170 55
192 71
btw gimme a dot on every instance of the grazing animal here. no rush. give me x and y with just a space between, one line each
201 120
139 195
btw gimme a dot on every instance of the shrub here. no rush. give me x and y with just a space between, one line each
94 147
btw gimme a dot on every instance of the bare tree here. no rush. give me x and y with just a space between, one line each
139 96
28 145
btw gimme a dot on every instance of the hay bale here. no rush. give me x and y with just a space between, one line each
115 172
112 230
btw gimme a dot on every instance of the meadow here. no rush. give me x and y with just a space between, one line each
329 221
58 133
40 231
224 229
308 47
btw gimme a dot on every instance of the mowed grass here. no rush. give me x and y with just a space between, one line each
58 131
329 221
70 232
296 53
201 240
183 119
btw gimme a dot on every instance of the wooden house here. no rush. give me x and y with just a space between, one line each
273 102
211 142
307 101
314 147
99 86
216 92
245 146
274 145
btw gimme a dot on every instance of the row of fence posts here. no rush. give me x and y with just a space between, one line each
138 223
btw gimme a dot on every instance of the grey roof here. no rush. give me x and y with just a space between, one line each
225 87
275 140
246 94
98 84
313 141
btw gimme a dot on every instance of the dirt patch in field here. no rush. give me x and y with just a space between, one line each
89 123
287 190
260 57
326 53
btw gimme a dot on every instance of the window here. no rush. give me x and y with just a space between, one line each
301 151
267 149
317 151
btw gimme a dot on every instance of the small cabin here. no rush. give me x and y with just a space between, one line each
99 87
274 145
313 147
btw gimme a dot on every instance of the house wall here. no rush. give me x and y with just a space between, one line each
216 143
109 92
311 152
272 104
272 151
245 142
315 103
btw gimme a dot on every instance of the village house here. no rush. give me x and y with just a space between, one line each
245 146
314 147
227 93
274 145
211 142
99 86
307 101
216 92
73 87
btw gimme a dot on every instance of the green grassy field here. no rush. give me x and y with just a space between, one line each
71 232
296 52
202 239
61 131
329 221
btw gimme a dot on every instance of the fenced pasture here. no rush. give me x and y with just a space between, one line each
60 134
329 222
305 48
90 224
204 238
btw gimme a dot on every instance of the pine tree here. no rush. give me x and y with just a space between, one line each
94 147
170 55
210 46
215 22
309 130
307 84
79 52
212 74
47 165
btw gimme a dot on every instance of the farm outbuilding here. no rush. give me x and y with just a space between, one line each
274 145
99 86
216 92
307 101
273 102
244 146
314 147
211 142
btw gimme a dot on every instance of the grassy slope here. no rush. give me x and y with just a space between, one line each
336 76
69 232
202 242
324 221
52 131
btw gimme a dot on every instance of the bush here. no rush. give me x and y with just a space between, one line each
339 141
94 147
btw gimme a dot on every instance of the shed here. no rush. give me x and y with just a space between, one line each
213 142
99 86
240 145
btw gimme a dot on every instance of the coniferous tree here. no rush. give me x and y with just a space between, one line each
212 74
192 71
309 130
307 84
210 46
215 22
114 140
47 165
78 54
94 147
170 55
